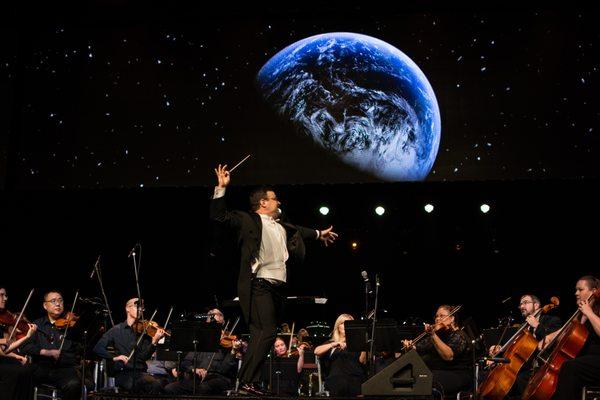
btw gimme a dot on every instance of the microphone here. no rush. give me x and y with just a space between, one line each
132 252
365 277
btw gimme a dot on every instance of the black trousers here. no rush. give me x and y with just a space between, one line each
16 381
450 382
144 382
575 374
344 385
266 309
66 379
212 384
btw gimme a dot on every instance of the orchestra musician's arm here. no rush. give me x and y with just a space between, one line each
101 347
363 357
326 347
8 351
300 364
552 324
588 314
442 348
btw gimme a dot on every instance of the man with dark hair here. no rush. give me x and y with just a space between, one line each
266 245
53 365
540 326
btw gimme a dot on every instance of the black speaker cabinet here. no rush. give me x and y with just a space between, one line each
407 376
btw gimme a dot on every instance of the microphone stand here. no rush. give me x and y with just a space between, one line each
140 308
372 366
98 273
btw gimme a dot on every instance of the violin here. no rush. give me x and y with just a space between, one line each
151 327
8 320
437 328
296 351
69 320
227 339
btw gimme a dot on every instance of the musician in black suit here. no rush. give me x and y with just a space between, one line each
266 244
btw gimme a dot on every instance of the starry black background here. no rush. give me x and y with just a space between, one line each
121 94
116 112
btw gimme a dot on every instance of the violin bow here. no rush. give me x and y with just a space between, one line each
14 329
289 352
62 342
168 317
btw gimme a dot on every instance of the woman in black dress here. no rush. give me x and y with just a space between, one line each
585 368
16 381
447 353
346 372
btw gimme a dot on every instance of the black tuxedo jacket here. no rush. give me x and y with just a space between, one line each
248 228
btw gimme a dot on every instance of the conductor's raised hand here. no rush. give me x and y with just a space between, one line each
328 236
222 176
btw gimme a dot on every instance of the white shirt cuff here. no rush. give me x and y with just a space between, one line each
219 192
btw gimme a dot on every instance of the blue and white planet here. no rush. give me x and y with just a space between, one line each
359 98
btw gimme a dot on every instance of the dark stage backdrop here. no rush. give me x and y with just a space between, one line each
538 237
114 113
131 94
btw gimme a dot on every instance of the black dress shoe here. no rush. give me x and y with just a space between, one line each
252 389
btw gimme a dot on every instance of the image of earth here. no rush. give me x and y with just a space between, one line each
359 98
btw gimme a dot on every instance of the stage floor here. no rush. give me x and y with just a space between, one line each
114 396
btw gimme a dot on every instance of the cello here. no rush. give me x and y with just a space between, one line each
518 349
568 343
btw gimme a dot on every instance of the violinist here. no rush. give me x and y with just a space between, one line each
131 374
584 369
8 355
346 372
446 352
215 371
285 380
54 366
15 379
281 350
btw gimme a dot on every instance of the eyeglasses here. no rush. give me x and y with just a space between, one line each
55 301
525 302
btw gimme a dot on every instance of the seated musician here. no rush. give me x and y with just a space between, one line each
130 374
53 365
215 372
584 369
540 326
346 372
285 380
15 377
447 353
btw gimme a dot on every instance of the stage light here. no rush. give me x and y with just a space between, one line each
354 245
428 208
324 210
379 210
484 208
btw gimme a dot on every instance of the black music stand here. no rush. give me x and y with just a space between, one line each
387 336
284 372
194 336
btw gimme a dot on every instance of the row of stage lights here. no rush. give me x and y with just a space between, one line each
380 210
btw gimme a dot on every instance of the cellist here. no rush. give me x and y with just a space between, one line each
584 369
540 327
